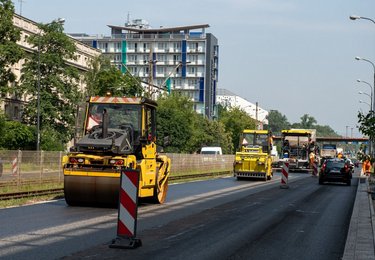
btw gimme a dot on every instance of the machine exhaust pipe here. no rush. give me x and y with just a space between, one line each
105 123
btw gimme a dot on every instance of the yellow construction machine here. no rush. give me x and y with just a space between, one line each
119 134
254 160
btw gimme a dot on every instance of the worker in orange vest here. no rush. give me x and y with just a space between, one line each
366 166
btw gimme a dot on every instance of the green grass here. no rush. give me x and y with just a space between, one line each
30 187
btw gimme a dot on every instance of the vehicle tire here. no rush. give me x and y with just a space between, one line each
349 182
320 181
160 193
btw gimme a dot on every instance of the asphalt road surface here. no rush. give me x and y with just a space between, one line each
216 219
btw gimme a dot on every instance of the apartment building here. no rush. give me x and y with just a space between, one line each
183 59
11 104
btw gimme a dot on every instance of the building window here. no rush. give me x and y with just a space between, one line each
145 47
176 58
16 112
192 70
161 70
193 83
132 58
161 57
162 46
193 57
177 46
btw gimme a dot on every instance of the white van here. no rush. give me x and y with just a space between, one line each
211 150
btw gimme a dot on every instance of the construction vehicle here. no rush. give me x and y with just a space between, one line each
328 151
119 134
297 145
253 160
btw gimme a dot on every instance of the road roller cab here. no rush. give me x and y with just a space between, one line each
119 133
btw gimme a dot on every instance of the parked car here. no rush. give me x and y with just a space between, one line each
336 170
211 150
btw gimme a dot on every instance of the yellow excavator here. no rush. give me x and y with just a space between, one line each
253 160
119 134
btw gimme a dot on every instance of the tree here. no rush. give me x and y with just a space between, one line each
367 124
175 121
17 136
325 131
59 92
10 51
186 130
307 122
277 122
207 132
103 78
235 121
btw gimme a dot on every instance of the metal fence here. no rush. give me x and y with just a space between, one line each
23 167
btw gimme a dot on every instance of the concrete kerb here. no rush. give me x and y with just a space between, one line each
360 242
372 217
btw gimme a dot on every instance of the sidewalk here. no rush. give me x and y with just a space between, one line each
360 240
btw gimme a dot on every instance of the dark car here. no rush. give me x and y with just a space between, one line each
336 170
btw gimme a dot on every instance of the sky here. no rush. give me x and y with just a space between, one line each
294 56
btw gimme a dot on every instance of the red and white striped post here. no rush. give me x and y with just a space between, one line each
127 211
15 166
284 175
315 169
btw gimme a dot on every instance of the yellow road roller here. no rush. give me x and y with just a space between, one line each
254 160
119 133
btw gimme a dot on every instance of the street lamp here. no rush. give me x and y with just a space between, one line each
371 89
364 93
60 21
356 17
373 66
180 63
364 102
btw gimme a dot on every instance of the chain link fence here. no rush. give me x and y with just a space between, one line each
27 167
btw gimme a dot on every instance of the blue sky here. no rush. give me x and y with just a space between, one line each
294 56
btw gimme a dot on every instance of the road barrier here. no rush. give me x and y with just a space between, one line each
127 211
14 166
315 169
284 175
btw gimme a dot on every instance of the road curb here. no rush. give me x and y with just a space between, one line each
360 239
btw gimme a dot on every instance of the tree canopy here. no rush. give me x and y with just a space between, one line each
104 77
235 121
10 51
277 122
47 73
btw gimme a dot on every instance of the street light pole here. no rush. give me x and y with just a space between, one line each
60 21
372 92
373 66
364 93
356 17
373 101
180 63
364 102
